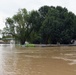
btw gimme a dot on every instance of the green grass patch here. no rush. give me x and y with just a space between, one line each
29 45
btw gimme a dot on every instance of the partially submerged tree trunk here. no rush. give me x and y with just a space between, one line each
22 41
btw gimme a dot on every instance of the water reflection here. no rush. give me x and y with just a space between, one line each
37 61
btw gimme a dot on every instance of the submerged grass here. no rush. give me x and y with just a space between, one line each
29 45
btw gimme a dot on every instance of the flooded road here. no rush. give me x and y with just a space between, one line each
37 60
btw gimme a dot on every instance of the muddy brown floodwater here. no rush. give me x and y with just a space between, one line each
37 60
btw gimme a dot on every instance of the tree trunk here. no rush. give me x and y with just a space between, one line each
22 41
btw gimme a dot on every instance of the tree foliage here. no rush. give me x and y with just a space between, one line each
47 25
18 25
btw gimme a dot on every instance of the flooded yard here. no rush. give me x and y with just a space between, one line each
37 60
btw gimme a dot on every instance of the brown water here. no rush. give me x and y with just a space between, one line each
37 61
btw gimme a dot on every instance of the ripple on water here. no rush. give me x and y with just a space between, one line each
71 61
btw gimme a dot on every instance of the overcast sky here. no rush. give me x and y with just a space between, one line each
9 7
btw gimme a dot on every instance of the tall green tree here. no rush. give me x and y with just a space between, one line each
58 26
35 23
18 25
47 25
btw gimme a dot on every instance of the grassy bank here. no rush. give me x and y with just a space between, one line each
29 45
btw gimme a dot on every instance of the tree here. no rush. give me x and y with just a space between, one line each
18 25
35 23
49 28
47 25
58 26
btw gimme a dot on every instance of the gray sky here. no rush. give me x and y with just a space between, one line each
9 7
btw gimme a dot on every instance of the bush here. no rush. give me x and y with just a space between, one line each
29 45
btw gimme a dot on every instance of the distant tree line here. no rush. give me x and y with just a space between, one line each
48 25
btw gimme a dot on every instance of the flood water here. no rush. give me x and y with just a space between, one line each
37 60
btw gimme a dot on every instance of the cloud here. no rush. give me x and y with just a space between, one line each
9 7
2 20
